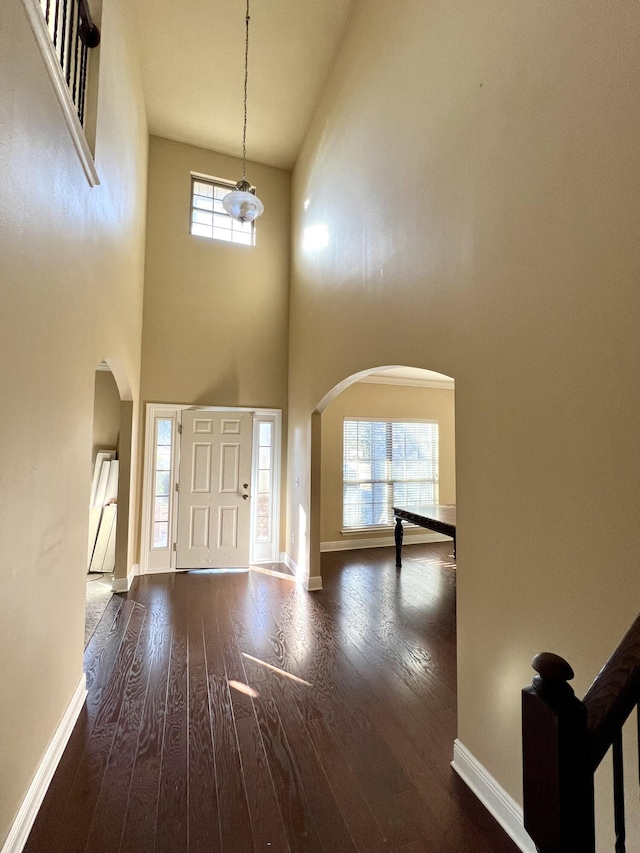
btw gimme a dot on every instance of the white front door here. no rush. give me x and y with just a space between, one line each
214 514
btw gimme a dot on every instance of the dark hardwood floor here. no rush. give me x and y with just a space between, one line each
235 712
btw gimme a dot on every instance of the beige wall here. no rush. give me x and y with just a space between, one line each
106 412
477 170
71 274
215 314
369 400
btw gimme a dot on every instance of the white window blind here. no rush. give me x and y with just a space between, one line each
386 464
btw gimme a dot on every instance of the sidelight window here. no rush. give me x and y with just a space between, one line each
162 492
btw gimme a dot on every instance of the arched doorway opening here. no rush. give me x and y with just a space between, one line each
108 544
352 493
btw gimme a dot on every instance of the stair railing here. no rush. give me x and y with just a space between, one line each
73 34
565 739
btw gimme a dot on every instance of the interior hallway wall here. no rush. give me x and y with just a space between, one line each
475 172
215 313
71 273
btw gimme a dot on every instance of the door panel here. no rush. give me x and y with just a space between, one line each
213 515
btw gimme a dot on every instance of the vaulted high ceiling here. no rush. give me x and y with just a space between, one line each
193 70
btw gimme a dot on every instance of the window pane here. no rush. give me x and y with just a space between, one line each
264 458
161 509
163 458
358 506
202 217
222 220
264 519
223 234
160 534
203 189
162 482
202 203
265 435
164 431
263 481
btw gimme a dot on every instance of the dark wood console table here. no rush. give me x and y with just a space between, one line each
438 517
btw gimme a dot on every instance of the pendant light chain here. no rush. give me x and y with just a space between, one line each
241 203
246 79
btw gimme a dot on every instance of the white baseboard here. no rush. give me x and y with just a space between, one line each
313 584
265 570
28 811
494 798
382 542
289 563
124 584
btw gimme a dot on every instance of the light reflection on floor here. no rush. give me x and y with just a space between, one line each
277 669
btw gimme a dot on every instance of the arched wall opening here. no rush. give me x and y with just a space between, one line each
111 483
390 392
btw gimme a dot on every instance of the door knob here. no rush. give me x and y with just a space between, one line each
246 497
245 485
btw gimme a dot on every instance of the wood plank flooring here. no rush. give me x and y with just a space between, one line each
234 712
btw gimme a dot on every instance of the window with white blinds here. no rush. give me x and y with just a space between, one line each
386 464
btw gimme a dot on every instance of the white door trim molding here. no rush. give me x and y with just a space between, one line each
492 796
28 811
173 411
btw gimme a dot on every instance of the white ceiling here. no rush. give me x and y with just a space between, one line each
193 71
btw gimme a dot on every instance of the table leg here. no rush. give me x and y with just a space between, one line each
399 533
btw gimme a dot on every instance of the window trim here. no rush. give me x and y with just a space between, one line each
384 527
220 182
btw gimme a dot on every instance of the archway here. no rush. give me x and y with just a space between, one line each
388 393
108 556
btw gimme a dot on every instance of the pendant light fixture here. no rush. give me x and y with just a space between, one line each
242 203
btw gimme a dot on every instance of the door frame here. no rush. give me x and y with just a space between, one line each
157 560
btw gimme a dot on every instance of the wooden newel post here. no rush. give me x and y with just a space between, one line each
557 778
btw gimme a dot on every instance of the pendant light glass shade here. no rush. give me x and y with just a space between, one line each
243 205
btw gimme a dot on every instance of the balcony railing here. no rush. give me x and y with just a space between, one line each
73 34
